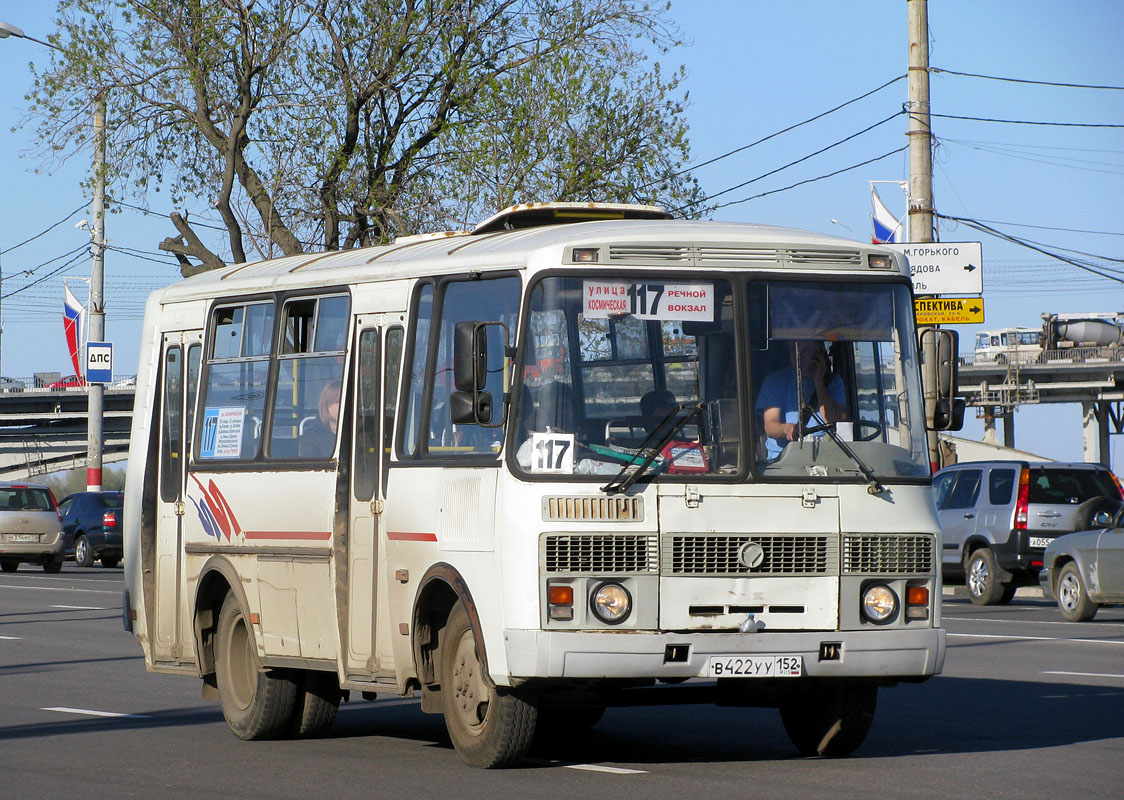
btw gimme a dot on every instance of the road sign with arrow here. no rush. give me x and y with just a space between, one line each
944 267
948 310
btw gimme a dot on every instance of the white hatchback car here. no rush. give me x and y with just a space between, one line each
30 527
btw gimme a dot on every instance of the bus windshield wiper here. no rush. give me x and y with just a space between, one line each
652 445
872 486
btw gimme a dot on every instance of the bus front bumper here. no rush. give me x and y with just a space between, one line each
902 654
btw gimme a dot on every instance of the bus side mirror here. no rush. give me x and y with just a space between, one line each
470 356
943 376
949 416
471 408
470 404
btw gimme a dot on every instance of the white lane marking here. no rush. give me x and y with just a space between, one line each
1032 638
611 770
82 608
588 767
1024 621
11 638
91 713
58 589
1082 674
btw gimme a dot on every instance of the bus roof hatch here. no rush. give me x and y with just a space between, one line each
533 215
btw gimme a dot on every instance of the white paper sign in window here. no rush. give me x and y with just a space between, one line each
648 300
552 452
222 432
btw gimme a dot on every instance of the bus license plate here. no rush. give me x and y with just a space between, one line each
756 667
1040 541
23 537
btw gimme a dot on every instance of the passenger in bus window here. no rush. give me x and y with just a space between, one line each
318 436
778 402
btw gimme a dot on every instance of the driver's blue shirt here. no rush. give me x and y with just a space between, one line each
778 390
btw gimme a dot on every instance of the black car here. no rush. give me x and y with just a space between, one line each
91 527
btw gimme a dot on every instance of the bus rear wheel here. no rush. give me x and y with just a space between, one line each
489 726
257 702
830 718
317 701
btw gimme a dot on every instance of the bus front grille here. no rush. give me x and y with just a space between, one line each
600 553
779 554
881 554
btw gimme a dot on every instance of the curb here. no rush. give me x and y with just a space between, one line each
1034 592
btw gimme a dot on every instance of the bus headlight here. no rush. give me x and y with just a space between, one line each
611 603
880 604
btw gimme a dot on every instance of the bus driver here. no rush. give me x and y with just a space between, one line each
779 403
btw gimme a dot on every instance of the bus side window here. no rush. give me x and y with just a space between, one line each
237 371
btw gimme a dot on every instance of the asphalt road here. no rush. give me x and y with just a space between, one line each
1029 706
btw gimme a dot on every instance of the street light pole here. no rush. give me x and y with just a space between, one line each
95 392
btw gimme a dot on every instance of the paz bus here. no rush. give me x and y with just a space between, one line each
425 468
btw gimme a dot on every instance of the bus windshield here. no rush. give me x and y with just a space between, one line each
647 369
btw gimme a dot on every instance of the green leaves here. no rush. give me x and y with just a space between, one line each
311 124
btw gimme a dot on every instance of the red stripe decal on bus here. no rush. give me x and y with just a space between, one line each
407 536
319 536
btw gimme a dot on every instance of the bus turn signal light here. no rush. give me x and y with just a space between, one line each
917 602
561 599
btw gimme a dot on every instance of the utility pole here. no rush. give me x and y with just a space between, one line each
921 187
96 391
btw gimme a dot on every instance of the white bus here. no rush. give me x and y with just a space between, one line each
498 520
1009 345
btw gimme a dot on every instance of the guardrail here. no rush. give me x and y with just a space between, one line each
62 385
1068 355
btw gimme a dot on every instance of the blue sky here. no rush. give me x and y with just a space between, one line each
754 68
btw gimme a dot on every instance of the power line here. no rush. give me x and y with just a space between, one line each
973 223
35 269
44 231
775 134
1031 122
936 70
791 163
45 277
813 180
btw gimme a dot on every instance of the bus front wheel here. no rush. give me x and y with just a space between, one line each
831 718
488 725
257 702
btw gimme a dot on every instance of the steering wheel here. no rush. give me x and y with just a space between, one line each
875 429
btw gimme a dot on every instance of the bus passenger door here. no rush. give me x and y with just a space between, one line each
367 486
179 380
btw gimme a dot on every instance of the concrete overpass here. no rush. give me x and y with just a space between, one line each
44 430
1092 377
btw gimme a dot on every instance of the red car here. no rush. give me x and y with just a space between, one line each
69 382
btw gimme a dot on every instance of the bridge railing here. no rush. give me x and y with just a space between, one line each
1066 355
69 384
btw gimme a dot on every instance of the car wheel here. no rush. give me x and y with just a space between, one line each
1073 600
83 553
257 702
1008 594
9 564
983 587
489 727
831 718
109 562
52 565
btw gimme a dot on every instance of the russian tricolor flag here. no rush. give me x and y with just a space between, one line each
72 316
887 230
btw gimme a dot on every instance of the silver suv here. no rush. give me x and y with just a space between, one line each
30 527
998 516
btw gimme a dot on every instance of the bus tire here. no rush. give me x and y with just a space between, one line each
830 719
257 702
489 726
317 701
